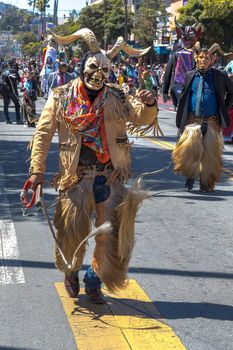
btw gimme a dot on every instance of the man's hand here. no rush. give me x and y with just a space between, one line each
36 179
147 97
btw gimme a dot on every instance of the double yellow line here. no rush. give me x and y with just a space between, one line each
163 144
171 147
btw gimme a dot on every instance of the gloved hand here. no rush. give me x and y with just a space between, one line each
36 179
147 97
165 98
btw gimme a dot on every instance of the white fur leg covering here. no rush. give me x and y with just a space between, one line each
211 162
73 221
121 209
188 152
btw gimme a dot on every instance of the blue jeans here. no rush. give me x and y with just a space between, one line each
101 189
101 192
91 280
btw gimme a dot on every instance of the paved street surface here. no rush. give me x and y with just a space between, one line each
183 255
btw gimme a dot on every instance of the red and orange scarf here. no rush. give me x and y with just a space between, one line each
87 119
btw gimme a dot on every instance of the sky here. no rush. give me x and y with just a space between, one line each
64 6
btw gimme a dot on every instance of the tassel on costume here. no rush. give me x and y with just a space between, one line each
121 209
211 163
73 221
188 152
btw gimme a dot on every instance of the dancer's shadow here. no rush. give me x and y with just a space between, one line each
142 312
158 310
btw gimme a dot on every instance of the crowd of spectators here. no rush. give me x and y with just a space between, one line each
25 75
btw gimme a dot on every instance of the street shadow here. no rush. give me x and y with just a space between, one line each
183 310
2 347
119 307
140 270
15 156
153 310
199 197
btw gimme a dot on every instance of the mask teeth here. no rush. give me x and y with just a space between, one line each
95 81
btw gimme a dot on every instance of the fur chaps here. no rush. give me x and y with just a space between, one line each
188 152
196 155
121 209
211 163
73 222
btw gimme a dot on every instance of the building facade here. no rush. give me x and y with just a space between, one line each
175 5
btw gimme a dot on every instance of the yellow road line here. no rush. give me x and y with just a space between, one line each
170 146
162 144
128 321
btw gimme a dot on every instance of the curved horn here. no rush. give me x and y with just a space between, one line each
131 51
85 34
116 48
121 45
216 47
195 21
179 25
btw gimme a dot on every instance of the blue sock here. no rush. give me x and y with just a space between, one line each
91 280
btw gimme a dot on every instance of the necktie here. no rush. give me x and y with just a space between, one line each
62 79
199 97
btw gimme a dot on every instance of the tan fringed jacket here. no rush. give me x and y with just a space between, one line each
116 115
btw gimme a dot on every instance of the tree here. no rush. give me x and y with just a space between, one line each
32 49
26 37
114 25
11 20
33 4
106 20
41 6
151 15
92 17
28 43
216 17
25 19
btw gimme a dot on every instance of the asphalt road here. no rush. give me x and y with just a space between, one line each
183 256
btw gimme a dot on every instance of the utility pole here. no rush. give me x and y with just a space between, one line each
55 8
126 19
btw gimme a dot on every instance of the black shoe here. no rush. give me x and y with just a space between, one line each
8 121
189 184
71 284
95 295
19 122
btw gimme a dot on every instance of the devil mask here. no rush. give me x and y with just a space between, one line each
190 34
97 62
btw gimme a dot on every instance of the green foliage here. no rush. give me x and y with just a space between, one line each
149 16
114 21
16 20
26 37
93 17
106 20
216 17
32 49
42 5
11 20
29 44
